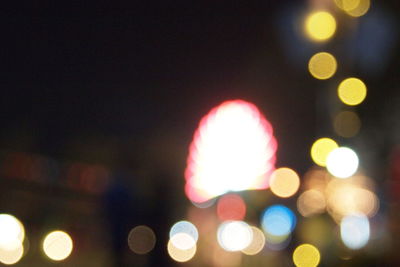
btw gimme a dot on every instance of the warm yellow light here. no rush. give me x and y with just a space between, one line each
57 245
180 255
311 202
306 255
347 124
352 91
322 65
12 232
347 5
256 244
284 182
11 256
361 9
320 26
321 149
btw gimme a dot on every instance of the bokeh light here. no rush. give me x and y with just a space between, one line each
284 182
316 230
352 91
278 220
342 162
311 202
183 241
233 149
355 231
141 239
347 124
321 149
10 256
180 255
306 255
347 5
322 65
184 227
57 245
320 25
234 235
361 8
12 232
257 243
231 207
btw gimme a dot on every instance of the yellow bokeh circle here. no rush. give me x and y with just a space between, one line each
352 91
321 149
320 25
322 65
284 182
306 255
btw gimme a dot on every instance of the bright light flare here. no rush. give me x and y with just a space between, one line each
57 245
186 228
306 255
342 162
284 182
12 255
322 65
355 231
180 255
12 232
278 220
233 149
234 235
320 26
231 207
321 149
352 91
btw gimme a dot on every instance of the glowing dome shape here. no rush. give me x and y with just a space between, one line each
322 65
278 220
185 227
320 25
354 231
234 235
12 232
306 255
342 162
57 245
233 149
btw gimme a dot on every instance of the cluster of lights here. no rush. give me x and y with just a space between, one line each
57 245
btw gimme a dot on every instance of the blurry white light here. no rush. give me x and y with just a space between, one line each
12 232
354 231
184 227
183 241
342 162
234 235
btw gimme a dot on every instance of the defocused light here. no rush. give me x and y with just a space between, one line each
278 220
275 242
322 66
284 182
233 149
223 258
184 227
311 202
342 162
320 26
141 239
352 91
234 235
316 178
354 231
57 245
321 149
347 124
347 5
12 232
316 230
306 255
181 255
183 241
231 207
11 256
257 243
361 9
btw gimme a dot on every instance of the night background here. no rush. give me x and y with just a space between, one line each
100 101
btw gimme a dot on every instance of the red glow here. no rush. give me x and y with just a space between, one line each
231 207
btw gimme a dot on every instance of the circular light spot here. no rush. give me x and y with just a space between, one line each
257 243
278 220
306 255
11 256
183 241
284 182
311 202
184 227
180 255
342 162
361 9
347 124
234 235
322 66
347 5
231 207
12 232
141 239
320 25
354 231
321 149
352 91
57 245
